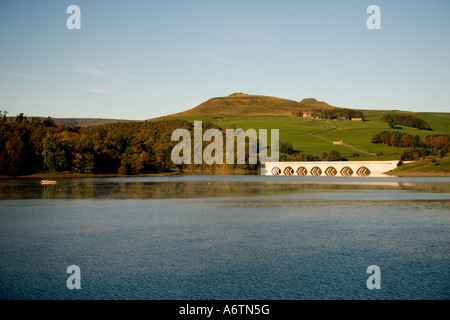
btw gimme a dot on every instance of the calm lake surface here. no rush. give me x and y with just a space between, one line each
225 237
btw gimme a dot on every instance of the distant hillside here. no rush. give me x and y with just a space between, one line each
80 122
311 104
86 122
234 105
240 104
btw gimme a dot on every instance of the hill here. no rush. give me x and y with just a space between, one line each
87 122
240 104
317 134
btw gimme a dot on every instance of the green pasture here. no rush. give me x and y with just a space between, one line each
316 136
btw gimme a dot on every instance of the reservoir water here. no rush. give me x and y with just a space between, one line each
225 237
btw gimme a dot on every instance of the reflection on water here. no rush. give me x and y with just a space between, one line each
210 186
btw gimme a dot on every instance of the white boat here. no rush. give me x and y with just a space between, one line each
48 181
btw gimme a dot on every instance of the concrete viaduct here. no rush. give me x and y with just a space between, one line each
329 168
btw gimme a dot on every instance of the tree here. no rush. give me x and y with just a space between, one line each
35 121
407 120
3 115
287 147
334 155
54 154
392 123
376 138
414 154
407 140
49 122
21 118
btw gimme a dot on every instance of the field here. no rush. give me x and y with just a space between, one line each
316 136
312 135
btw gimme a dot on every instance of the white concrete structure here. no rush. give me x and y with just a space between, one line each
329 168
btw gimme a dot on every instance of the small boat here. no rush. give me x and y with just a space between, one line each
48 182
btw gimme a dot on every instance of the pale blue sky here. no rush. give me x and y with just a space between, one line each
142 59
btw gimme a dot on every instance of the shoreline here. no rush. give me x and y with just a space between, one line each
117 175
45 176
418 174
82 175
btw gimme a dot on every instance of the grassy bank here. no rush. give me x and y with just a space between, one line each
436 167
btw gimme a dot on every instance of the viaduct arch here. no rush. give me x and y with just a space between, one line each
329 168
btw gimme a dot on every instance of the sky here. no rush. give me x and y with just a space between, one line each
140 59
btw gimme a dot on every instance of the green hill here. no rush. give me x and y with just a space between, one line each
240 104
311 135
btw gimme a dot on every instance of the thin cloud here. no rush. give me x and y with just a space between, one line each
19 75
108 91
98 90
214 57
89 71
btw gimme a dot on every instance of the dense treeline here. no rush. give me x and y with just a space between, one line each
394 119
332 113
34 146
418 147
337 113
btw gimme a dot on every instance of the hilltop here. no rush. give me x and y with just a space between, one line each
241 104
